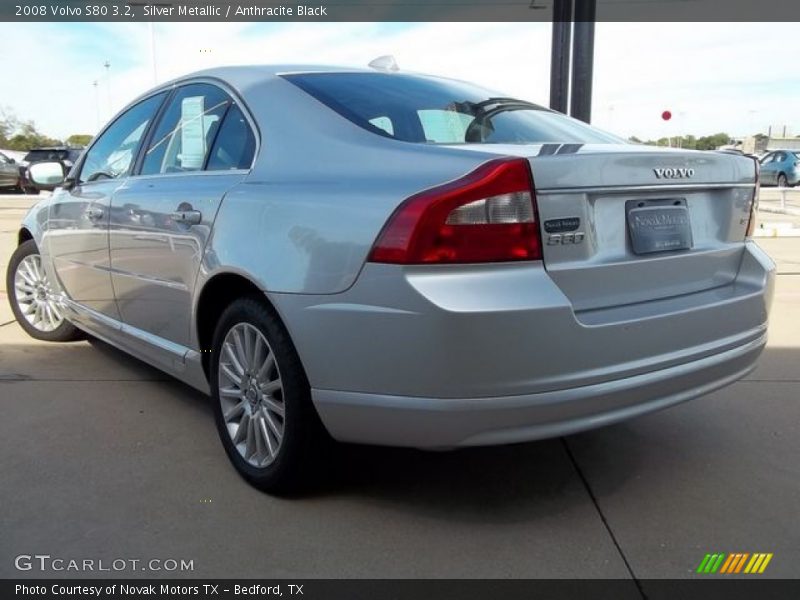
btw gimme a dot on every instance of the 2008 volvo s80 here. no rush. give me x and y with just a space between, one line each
390 258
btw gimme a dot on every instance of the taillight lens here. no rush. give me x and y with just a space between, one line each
487 216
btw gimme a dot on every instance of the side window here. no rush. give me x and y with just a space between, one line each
112 154
444 126
186 131
235 143
384 123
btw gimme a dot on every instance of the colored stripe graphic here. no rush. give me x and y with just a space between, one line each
741 562
764 564
737 562
727 564
703 563
717 563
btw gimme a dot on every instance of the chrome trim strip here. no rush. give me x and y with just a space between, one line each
177 351
644 188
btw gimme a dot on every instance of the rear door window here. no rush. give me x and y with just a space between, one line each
186 130
235 143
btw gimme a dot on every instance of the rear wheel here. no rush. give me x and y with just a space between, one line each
782 181
262 401
34 300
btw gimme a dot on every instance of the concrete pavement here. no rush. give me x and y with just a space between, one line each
102 456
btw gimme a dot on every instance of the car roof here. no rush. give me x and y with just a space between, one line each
241 75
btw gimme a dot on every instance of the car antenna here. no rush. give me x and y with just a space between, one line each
384 63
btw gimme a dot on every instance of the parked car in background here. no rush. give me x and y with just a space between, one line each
781 168
9 173
396 259
67 155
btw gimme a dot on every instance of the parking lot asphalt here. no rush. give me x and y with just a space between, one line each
104 457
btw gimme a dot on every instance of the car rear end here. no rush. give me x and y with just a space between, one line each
558 286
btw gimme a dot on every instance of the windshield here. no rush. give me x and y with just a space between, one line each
415 108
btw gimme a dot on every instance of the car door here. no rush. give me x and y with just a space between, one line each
77 232
161 218
768 173
9 173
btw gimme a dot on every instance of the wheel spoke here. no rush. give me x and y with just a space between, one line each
241 431
257 347
278 433
271 386
269 361
265 434
240 353
230 392
235 378
231 353
234 411
250 442
272 405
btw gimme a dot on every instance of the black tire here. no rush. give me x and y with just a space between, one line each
65 332
301 447
782 181
31 191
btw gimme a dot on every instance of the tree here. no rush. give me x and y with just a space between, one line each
21 135
79 139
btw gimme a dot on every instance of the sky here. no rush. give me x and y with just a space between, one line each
739 78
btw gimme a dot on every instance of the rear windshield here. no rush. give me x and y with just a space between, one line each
414 108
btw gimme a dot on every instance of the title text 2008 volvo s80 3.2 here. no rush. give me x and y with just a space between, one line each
382 257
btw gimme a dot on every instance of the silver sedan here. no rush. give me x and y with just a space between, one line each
389 258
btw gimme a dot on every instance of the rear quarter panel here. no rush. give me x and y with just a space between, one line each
305 218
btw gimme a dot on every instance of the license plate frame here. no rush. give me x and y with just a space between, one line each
656 226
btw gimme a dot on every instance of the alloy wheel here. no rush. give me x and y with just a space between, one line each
35 297
251 395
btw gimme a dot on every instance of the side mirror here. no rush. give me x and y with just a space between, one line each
47 175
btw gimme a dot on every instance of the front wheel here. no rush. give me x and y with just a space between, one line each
262 401
34 300
782 181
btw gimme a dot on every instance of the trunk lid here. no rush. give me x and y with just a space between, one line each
585 193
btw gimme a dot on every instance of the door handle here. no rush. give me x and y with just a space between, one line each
94 213
187 217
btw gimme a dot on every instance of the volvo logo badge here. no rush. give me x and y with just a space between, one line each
674 173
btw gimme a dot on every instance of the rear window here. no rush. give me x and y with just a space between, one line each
415 108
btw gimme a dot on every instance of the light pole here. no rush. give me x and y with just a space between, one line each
96 106
153 51
107 66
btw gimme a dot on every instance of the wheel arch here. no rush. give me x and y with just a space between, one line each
23 236
216 295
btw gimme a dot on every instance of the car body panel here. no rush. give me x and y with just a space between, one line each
77 241
429 356
154 259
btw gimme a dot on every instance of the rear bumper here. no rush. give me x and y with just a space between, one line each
449 423
431 357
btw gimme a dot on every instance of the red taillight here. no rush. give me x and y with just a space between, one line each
488 215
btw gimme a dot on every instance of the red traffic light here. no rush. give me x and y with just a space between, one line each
666 115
